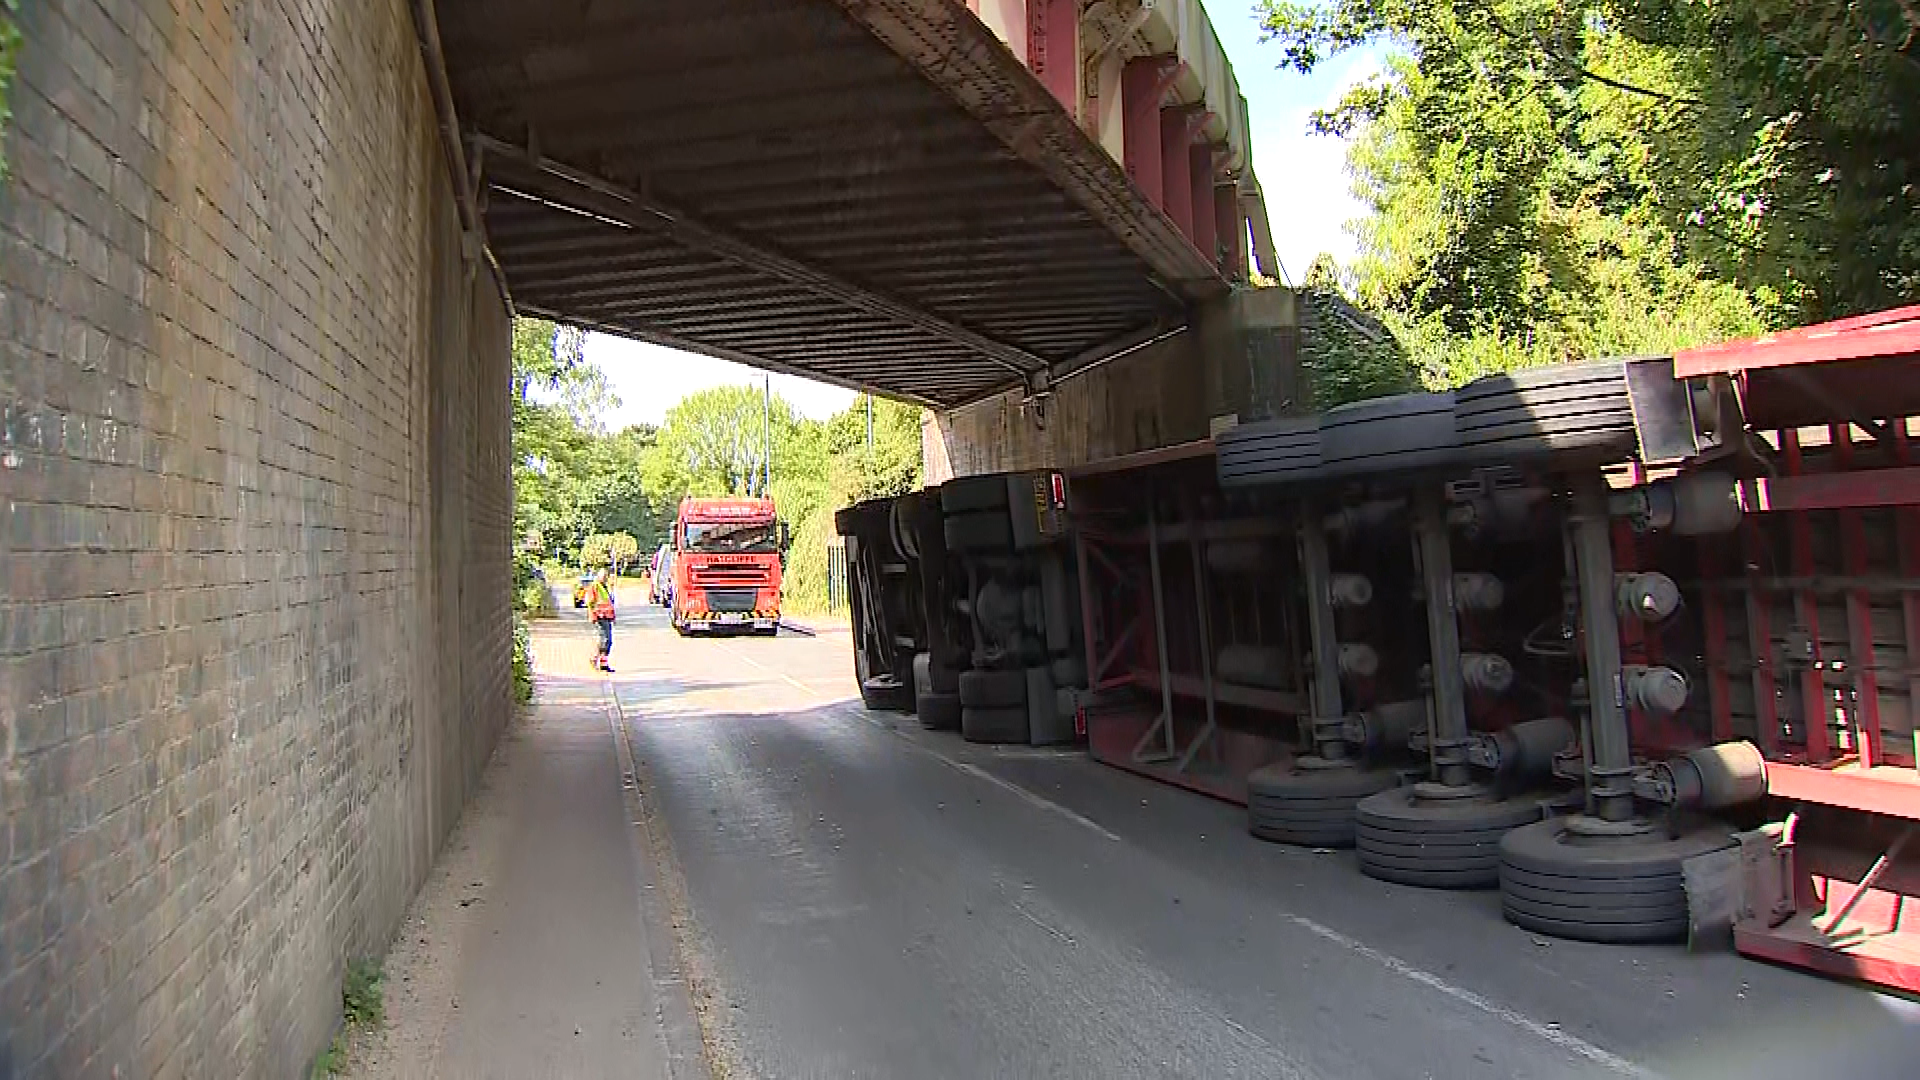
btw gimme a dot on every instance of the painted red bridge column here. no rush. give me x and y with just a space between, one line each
1143 85
1179 126
1204 234
1053 48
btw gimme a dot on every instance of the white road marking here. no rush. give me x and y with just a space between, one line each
1040 801
858 712
776 672
1571 1043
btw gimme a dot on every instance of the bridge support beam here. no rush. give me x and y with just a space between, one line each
1205 230
1232 231
1143 85
1176 167
1053 48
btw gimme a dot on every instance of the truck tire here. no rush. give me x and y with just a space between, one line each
1056 605
884 693
967 494
1610 893
1310 807
938 712
881 692
982 532
994 725
993 689
1046 725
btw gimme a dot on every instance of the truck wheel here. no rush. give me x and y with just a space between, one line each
990 531
1436 838
1310 807
1629 890
969 493
995 725
993 689
942 679
938 712
885 693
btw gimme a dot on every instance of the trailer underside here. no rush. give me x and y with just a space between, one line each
1378 627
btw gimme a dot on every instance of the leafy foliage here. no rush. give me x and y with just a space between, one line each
571 477
617 550
1563 179
10 42
522 661
531 595
714 443
581 492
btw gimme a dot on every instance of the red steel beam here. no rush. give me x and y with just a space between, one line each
1766 700
1179 126
1053 48
1816 711
1853 559
1895 793
1884 333
1907 539
1204 230
1868 960
1143 84
1837 490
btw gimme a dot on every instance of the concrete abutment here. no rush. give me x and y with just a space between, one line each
1237 362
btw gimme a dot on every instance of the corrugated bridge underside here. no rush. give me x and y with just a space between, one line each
871 192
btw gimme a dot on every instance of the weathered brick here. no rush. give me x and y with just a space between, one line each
223 620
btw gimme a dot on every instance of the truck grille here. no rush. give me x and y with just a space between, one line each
729 599
740 576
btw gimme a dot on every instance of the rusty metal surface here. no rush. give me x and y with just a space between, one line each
771 182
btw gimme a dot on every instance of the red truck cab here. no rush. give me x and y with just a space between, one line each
726 565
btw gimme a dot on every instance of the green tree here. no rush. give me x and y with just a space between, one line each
596 551
889 465
9 59
622 551
716 441
1559 179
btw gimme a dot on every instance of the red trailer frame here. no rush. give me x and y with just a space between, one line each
1837 403
1806 625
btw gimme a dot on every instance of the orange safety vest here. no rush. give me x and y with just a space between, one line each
600 600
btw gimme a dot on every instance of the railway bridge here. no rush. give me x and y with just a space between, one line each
257 268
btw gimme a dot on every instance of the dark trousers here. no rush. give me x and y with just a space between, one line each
605 626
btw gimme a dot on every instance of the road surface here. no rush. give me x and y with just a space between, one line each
856 897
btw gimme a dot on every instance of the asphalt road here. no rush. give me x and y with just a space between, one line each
861 898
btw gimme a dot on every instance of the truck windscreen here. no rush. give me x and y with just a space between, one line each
732 537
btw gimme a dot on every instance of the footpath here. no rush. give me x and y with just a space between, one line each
539 945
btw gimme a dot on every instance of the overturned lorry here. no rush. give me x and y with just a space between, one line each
1631 642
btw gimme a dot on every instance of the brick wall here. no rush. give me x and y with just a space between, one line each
254 517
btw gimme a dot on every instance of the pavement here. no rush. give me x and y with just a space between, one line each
830 892
542 945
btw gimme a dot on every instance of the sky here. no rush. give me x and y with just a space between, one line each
1303 177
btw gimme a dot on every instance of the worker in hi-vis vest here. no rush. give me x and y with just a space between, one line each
600 607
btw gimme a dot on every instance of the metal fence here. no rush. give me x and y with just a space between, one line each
836 577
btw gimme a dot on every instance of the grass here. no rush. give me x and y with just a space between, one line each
363 1008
